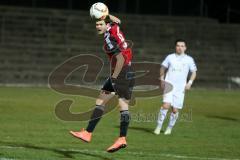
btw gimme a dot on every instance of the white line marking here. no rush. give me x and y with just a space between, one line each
3 158
130 153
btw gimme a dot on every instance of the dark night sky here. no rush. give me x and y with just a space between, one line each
211 8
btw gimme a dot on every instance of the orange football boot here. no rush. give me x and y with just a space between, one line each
83 135
119 143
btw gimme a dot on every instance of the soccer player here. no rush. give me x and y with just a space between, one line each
177 67
120 81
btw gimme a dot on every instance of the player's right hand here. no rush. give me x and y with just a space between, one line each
188 86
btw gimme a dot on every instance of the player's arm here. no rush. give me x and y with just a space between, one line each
119 65
162 75
190 81
162 72
114 19
193 69
164 67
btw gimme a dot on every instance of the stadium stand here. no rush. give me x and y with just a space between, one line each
34 41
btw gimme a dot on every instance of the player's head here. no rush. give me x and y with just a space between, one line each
181 46
101 25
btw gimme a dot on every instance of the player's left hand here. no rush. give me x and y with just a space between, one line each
114 80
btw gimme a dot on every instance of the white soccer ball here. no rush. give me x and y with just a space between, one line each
99 10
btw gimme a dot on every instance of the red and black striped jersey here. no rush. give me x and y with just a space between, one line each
114 43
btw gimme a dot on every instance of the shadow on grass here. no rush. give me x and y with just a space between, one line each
142 129
65 153
222 118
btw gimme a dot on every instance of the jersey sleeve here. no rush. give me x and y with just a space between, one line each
192 65
166 62
117 39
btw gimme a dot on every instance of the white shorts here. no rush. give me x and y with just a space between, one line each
176 99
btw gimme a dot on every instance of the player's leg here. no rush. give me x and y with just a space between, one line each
97 113
121 142
124 91
177 105
104 97
125 117
101 101
172 121
167 100
161 117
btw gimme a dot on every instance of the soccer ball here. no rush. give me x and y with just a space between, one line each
99 11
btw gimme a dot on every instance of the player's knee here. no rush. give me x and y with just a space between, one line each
99 101
165 106
123 103
123 107
101 98
174 110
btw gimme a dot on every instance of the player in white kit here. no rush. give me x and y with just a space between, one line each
178 65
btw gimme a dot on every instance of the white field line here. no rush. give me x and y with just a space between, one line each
3 158
128 153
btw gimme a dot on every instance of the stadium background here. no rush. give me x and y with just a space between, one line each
38 35
64 29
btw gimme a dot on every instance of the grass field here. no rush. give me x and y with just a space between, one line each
209 128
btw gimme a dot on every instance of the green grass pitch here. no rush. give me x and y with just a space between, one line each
209 128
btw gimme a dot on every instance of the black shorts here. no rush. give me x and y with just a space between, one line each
124 83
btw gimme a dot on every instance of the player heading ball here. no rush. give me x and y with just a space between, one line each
120 81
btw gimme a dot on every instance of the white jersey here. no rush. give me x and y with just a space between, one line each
178 68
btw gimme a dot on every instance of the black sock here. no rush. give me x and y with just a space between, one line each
124 122
95 118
